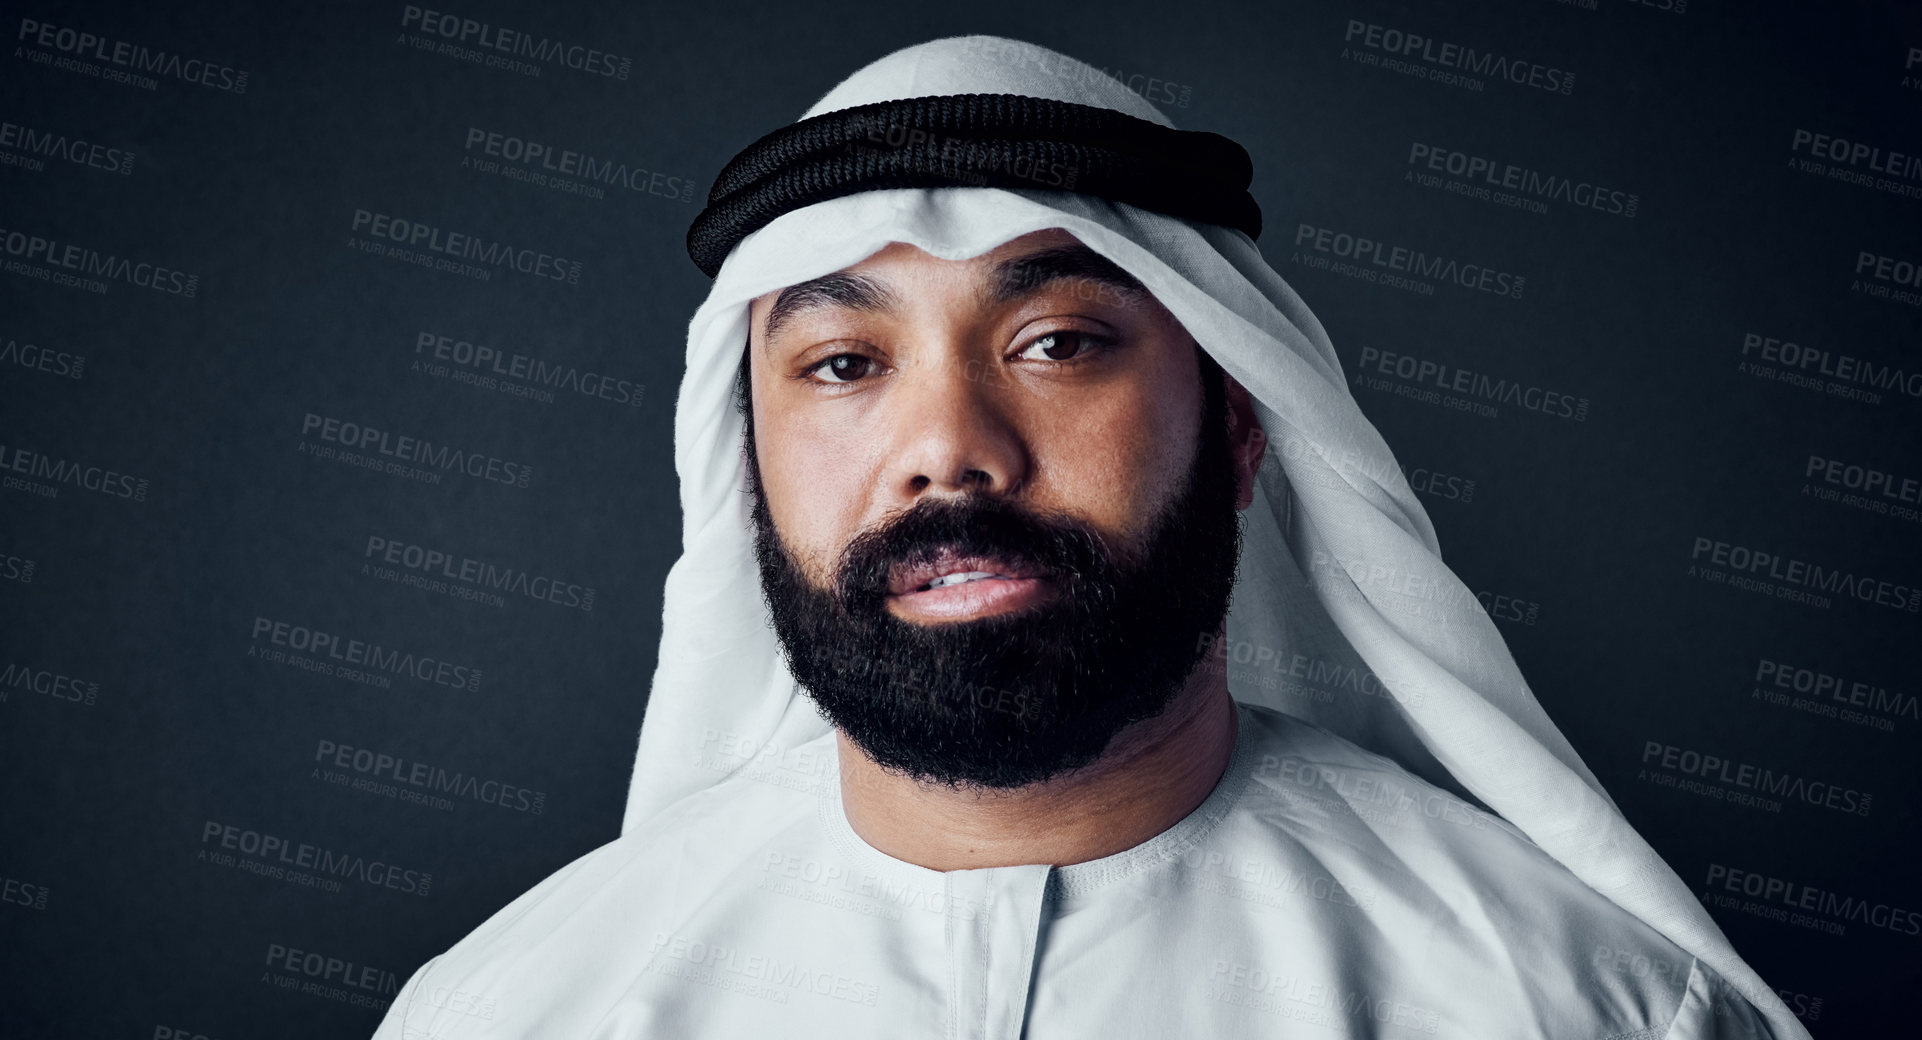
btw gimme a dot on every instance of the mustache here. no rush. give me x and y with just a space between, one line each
1054 545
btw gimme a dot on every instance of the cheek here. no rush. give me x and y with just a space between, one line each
1120 457
816 481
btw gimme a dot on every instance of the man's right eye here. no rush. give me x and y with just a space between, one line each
843 368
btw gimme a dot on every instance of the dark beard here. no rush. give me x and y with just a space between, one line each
1012 699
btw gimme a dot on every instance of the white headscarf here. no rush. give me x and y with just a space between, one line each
1340 563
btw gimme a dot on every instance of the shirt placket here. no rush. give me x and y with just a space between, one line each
993 924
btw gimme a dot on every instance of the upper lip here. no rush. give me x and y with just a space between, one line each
907 578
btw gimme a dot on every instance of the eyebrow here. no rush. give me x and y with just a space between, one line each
1010 280
840 289
1019 276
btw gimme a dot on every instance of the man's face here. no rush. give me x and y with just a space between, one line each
995 507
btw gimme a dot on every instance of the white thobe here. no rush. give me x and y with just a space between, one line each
1319 891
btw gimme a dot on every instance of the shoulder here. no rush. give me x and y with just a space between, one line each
1466 895
1300 763
544 956
1714 1009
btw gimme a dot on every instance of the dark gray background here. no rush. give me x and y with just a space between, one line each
115 922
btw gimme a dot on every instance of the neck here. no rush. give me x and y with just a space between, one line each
1153 773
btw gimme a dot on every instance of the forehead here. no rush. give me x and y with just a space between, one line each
1015 269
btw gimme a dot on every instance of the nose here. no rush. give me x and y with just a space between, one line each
956 433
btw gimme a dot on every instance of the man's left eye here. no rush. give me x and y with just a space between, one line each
844 368
1065 345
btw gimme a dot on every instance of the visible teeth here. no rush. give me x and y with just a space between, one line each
958 577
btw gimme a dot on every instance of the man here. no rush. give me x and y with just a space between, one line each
1015 483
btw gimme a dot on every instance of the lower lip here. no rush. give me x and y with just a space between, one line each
977 598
